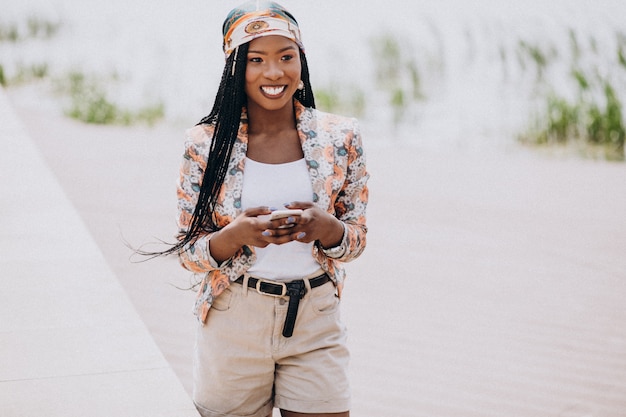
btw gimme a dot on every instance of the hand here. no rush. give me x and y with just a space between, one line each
245 229
252 228
314 224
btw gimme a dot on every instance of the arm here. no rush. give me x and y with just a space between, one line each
215 249
339 231
351 203
194 256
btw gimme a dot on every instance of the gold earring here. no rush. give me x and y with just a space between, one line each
301 85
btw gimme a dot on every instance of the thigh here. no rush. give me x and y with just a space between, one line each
312 374
233 375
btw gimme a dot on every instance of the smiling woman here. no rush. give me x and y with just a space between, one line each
272 78
268 303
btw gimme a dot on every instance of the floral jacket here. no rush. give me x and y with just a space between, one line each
334 155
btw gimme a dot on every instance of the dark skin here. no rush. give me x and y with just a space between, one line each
272 77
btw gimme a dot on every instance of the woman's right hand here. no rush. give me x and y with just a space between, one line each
246 229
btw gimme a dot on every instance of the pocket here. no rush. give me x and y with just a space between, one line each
223 301
325 301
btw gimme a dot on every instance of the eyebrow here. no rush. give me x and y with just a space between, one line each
280 51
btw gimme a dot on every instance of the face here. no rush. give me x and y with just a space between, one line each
272 72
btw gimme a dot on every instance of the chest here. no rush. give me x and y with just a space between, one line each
278 148
275 184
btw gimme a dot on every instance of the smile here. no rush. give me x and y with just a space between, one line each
273 90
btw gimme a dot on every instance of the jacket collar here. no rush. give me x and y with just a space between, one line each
314 142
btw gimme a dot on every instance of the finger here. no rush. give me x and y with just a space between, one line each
287 222
277 232
300 236
283 235
257 211
299 205
276 238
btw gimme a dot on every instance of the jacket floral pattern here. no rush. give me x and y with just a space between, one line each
335 159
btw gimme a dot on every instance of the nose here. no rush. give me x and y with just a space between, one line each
273 71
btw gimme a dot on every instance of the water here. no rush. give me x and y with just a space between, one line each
477 90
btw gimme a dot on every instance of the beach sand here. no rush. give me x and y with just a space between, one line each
492 285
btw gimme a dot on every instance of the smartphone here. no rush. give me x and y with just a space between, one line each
280 214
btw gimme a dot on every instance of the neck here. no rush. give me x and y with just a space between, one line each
261 120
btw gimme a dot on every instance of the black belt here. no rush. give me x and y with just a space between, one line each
295 290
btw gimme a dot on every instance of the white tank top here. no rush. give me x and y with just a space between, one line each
273 185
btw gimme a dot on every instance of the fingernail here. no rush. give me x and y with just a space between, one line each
290 219
266 233
286 204
273 208
301 235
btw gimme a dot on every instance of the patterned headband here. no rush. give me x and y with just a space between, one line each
256 19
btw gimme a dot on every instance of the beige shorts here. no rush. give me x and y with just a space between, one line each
243 366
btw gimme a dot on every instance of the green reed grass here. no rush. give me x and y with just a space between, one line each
35 27
86 95
24 74
621 49
592 119
536 55
344 99
89 102
32 28
396 74
9 32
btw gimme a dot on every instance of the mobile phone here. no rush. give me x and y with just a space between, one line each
280 214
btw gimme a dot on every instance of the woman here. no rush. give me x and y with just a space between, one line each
268 304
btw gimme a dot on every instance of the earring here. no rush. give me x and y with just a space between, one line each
301 85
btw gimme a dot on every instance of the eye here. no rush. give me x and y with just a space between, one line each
288 57
255 59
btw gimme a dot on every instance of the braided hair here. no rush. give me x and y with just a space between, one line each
225 116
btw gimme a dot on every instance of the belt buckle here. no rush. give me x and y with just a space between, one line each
280 284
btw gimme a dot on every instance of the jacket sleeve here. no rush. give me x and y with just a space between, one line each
351 203
194 256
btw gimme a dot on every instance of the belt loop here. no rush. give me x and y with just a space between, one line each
246 277
307 284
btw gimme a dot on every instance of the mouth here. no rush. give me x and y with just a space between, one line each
273 90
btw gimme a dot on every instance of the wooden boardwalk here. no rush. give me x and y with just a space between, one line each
71 343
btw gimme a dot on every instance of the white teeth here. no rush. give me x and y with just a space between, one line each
273 91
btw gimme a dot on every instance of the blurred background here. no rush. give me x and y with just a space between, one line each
495 139
495 72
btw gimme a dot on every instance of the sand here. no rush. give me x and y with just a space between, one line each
493 283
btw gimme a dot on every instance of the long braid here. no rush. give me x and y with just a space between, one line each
226 117
305 96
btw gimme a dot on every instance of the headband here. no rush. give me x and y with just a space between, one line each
256 19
